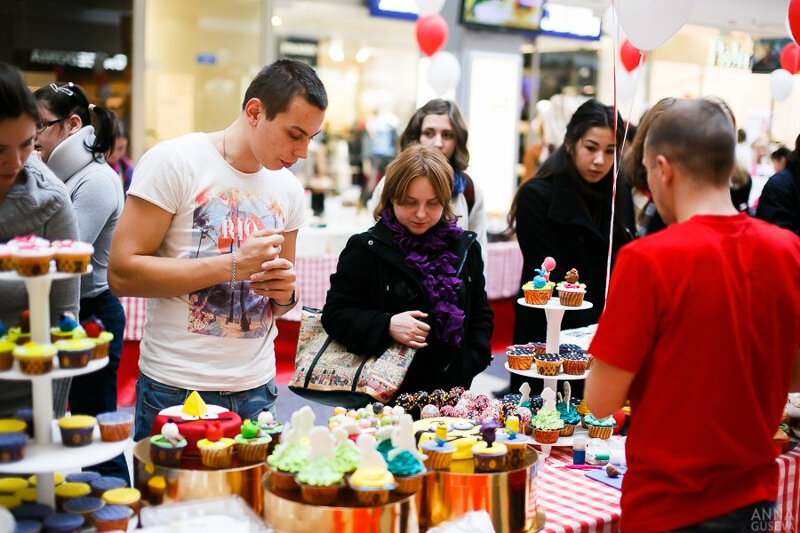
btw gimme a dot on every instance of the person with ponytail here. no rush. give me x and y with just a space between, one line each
72 136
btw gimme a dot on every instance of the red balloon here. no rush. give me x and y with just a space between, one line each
629 56
431 33
790 58
619 421
794 19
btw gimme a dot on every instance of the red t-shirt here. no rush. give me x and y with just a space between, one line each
707 314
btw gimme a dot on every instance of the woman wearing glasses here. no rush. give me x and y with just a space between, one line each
32 201
72 135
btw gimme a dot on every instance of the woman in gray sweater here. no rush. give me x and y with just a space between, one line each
32 200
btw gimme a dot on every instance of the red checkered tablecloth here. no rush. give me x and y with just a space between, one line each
574 503
135 311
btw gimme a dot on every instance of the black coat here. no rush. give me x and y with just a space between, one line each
551 221
780 201
372 283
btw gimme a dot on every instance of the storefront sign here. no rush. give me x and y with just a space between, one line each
730 53
401 9
304 50
573 22
85 60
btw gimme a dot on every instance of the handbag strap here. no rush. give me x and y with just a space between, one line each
316 358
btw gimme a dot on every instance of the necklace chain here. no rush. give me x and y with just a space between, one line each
224 153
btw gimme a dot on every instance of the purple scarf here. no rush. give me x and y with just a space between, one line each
429 255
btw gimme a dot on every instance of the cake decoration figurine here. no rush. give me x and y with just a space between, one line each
252 444
525 394
171 432
515 441
194 406
372 480
489 455
405 462
216 451
548 265
346 455
320 479
166 449
570 291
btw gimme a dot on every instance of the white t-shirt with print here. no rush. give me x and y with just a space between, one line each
203 340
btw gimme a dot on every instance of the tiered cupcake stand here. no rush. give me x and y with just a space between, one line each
554 313
47 453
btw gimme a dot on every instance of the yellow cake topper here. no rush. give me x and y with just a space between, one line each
194 405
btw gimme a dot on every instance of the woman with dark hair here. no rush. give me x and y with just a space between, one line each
415 277
32 201
439 124
780 200
72 136
564 212
116 157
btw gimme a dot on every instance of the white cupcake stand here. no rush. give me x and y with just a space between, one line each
554 313
46 453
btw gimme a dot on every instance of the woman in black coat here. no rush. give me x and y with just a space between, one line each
416 278
564 211
779 203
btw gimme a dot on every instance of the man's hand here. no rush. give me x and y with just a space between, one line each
258 249
275 279
406 329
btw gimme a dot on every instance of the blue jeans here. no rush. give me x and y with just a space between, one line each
752 518
153 396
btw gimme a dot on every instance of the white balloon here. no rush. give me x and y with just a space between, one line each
649 23
429 7
444 72
780 84
610 23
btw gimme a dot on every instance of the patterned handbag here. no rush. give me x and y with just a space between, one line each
325 372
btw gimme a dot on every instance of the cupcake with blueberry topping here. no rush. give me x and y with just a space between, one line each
548 364
575 363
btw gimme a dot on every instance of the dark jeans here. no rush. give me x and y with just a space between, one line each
95 393
153 396
752 518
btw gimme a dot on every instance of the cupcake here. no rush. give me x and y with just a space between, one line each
26 415
74 353
10 502
405 460
67 328
6 354
251 444
285 461
10 485
575 363
22 333
548 364
547 425
488 455
516 443
582 409
519 357
82 477
84 506
63 523
32 511
12 447
372 481
156 487
439 452
72 256
77 430
570 416
271 428
58 479
67 491
599 428
346 455
115 426
538 291
101 485
31 260
130 498
216 451
167 448
112 518
320 481
26 495
12 425
6 263
96 332
35 359
570 292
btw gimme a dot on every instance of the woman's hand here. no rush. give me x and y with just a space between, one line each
406 329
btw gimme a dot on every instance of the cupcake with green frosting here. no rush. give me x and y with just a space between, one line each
570 416
286 460
320 481
347 457
599 428
547 425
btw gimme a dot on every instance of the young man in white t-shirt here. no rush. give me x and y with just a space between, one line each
208 235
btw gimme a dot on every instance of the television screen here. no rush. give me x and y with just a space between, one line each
767 54
511 15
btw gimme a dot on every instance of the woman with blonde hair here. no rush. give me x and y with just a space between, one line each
415 277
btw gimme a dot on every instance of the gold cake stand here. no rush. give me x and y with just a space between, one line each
192 481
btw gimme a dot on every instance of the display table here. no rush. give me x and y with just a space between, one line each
574 503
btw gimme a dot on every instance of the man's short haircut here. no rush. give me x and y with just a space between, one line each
277 84
697 136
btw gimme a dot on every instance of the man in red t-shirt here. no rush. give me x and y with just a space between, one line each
701 332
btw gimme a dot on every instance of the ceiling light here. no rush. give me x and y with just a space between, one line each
363 54
276 20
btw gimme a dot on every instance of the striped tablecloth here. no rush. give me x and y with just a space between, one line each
574 503
313 279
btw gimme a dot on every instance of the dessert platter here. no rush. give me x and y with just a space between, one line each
32 441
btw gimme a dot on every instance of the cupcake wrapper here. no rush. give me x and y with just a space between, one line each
489 463
409 484
438 460
546 437
217 458
570 299
575 368
600 432
6 263
114 432
12 454
29 267
539 350
253 453
6 361
100 350
75 437
111 525
537 297
568 430
165 456
319 495
73 359
72 264
520 362
36 366
371 497
548 368
283 480
516 455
